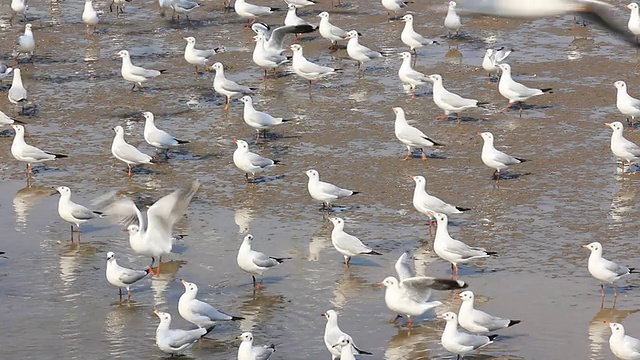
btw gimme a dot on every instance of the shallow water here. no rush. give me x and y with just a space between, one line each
56 299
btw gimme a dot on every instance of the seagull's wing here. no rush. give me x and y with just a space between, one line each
277 35
129 276
457 100
258 160
504 158
234 86
474 341
82 213
336 31
464 250
263 260
140 71
33 152
632 148
161 136
125 212
178 338
170 208
309 67
262 352
351 244
615 268
403 266
203 309
331 189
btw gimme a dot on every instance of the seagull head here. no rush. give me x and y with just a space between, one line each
27 27
407 17
620 84
248 239
63 190
449 316
118 129
296 48
615 327
324 15
418 179
312 174
452 4
164 317
466 295
616 126
111 256
632 6
351 35
330 314
246 99
241 143
218 66
505 68
291 7
398 110
441 219
405 55
246 336
435 78
257 27
388 281
190 39
342 341
486 136
148 115
594 247
132 229
189 287
19 129
489 52
336 221
122 54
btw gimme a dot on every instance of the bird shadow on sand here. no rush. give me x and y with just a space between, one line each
339 208
44 170
266 179
138 170
417 154
510 176
466 271
275 136
525 107
360 262
465 119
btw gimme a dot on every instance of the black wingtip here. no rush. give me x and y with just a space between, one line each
276 162
303 29
272 346
280 260
513 322
287 120
462 208
632 271
208 330
97 212
435 143
522 160
491 337
235 318
448 284
59 156
482 104
492 253
373 252
355 192
547 90
361 352
275 9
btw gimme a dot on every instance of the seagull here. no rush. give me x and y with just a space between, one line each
452 20
493 58
17 94
251 11
126 152
325 192
274 38
72 212
634 19
345 352
119 6
249 162
308 70
247 351
154 236
496 159
301 3
157 138
199 57
226 87
5 71
135 74
254 262
603 269
477 321
621 345
411 38
430 205
411 294
292 19
459 342
626 104
19 8
411 136
346 244
175 341
6 120
90 16
596 10
198 312
267 58
514 91
26 42
359 52
454 251
24 152
394 5
123 277
330 31
183 7
408 75
448 101
622 148
332 334
261 121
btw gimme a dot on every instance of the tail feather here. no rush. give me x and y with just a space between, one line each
459 208
275 9
433 141
632 271
275 162
513 322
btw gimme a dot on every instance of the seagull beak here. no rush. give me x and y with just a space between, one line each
347 37
335 345
127 230
479 133
239 337
411 176
183 281
607 124
323 314
626 6
235 139
379 283
607 321
458 296
155 312
585 246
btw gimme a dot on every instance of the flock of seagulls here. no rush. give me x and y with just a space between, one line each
151 233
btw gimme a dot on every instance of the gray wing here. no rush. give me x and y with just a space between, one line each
82 213
632 148
351 243
337 31
205 53
204 309
18 94
309 67
464 250
475 341
129 276
123 211
33 152
615 268
263 260
278 35
415 75
505 159
234 86
258 160
331 189
171 207
262 352
4 119
457 100
489 321
176 337
137 70
404 267
522 89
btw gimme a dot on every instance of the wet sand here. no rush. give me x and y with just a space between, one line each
56 299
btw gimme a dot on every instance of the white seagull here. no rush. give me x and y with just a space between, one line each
17 94
452 20
157 138
226 87
199 312
135 74
344 344
251 11
622 148
122 277
430 205
408 75
493 58
24 152
261 121
634 19
411 294
301 3
359 52
626 104
411 38
182 7
514 91
394 5
494 158
478 321
292 18
74 213
452 250
332 334
6 120
266 57
5 71
330 31
246 350
623 346
603 269
325 192
249 162
411 136
306 69
459 342
199 57
346 244
26 42
255 262
448 101
154 236
90 16
19 8
176 341
126 152
274 38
